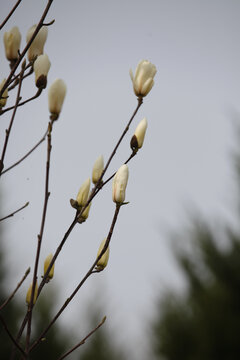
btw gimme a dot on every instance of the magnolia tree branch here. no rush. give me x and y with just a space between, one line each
11 337
88 274
83 340
10 14
22 54
40 236
38 93
14 292
27 154
14 212
12 118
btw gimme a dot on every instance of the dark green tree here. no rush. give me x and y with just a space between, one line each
204 322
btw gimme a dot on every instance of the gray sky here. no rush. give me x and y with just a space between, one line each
185 161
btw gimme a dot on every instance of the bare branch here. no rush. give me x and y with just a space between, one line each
14 292
26 155
11 337
38 93
83 340
14 212
10 14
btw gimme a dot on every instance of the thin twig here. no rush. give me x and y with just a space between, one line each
88 274
40 236
83 340
10 14
11 337
21 56
27 154
12 118
94 192
15 79
14 212
38 93
14 292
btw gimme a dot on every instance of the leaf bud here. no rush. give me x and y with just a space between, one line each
103 261
36 47
119 184
29 293
46 265
41 67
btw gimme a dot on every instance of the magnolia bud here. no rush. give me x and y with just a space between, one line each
143 79
41 67
46 265
12 40
82 196
97 169
56 95
29 293
138 137
102 262
36 47
119 184
3 100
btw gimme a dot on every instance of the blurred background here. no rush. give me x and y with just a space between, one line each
171 288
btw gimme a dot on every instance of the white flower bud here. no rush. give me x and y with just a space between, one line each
82 196
36 48
119 184
41 67
46 265
56 95
3 100
85 213
138 137
102 262
143 79
29 293
12 40
97 169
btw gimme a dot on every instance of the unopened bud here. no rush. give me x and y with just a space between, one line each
119 184
143 78
3 100
82 196
46 265
56 96
97 169
29 293
12 40
36 47
41 67
103 261
138 137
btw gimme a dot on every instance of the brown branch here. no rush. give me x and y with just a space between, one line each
11 337
88 274
40 236
14 212
12 118
27 154
94 192
15 79
10 14
21 56
83 340
14 292
38 93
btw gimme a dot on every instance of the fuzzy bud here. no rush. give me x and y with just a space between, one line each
143 78
3 100
119 184
46 265
36 47
103 261
29 293
56 96
97 169
82 196
138 137
41 67
12 40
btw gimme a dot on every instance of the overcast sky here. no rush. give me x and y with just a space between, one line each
185 162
